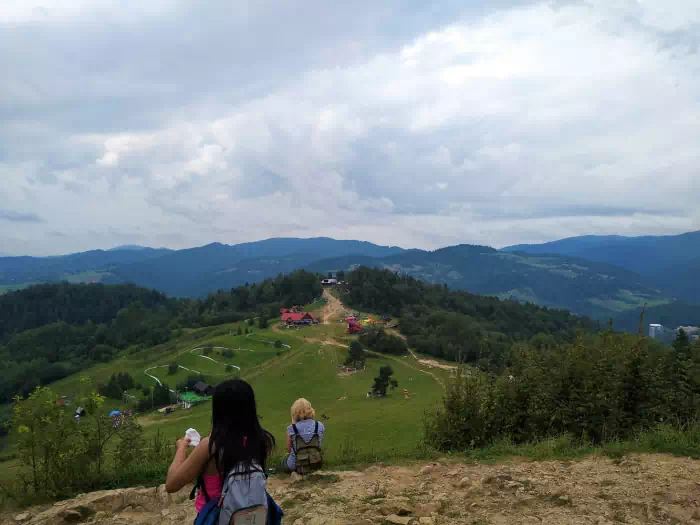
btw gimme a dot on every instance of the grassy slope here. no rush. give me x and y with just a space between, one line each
357 427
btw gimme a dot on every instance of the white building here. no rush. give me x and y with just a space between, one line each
656 331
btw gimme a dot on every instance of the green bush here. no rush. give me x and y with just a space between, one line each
379 340
600 389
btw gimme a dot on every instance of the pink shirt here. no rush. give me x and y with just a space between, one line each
213 485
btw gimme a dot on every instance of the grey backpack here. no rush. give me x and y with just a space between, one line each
244 498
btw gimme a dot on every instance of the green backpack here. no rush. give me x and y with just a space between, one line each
309 455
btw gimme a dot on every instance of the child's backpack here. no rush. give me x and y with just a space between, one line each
244 501
309 455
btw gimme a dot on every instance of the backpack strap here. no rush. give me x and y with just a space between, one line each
200 485
316 429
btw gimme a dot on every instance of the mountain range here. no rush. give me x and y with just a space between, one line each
598 276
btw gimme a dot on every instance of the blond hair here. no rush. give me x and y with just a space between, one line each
302 409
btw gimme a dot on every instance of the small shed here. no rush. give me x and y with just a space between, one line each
202 389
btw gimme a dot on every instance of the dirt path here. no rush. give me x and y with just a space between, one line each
646 489
325 342
405 362
334 309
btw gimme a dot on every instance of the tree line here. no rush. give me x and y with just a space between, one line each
600 388
457 325
50 331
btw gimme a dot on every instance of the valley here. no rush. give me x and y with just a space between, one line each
304 363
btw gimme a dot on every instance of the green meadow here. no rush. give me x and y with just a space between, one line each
358 428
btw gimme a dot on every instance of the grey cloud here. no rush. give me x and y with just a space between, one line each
424 124
15 216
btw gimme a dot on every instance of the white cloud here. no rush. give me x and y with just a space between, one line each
521 123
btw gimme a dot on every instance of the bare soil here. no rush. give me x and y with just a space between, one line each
334 309
596 490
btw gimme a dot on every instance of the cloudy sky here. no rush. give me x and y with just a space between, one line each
422 124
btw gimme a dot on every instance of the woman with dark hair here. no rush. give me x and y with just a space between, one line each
234 453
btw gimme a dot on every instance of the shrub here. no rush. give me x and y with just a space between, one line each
379 340
600 389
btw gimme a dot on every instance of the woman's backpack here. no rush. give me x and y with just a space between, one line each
308 455
244 501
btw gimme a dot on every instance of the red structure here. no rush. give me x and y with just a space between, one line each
297 318
353 326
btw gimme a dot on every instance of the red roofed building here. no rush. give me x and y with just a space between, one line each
297 318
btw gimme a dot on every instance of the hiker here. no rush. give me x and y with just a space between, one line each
231 460
304 437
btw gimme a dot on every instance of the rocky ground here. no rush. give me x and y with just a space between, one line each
644 489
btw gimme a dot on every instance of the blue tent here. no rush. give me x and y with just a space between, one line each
114 413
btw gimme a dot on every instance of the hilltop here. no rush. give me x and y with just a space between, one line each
584 287
597 490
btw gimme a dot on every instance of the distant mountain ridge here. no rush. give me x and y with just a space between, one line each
34 270
671 262
192 272
584 287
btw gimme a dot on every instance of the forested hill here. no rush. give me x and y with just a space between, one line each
587 288
48 332
72 304
84 266
645 255
669 262
459 325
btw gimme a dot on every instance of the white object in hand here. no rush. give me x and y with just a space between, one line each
193 436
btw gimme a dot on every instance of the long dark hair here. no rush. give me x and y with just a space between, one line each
237 440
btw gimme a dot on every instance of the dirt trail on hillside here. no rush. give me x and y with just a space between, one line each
430 363
334 309
634 490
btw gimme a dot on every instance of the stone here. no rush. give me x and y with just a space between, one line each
128 508
399 520
71 516
299 522
427 469
100 514
323 520
427 509
24 516
294 477
695 516
513 485
398 507
164 496
164 512
563 500
454 472
426 520
464 482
